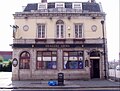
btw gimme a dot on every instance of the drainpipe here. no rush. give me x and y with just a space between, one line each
104 52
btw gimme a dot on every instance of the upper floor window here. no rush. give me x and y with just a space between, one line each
41 31
78 30
68 5
24 60
59 5
51 5
77 6
42 6
60 29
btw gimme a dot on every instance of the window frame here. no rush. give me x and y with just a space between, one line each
59 5
77 6
42 6
40 25
23 65
60 27
42 60
78 31
73 61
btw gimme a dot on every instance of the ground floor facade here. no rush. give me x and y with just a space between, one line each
43 61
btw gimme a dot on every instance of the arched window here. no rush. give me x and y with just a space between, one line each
60 29
24 60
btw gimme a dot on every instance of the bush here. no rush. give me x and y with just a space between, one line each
7 68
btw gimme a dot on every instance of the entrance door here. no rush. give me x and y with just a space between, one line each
95 71
24 66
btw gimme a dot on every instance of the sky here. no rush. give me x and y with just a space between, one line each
110 7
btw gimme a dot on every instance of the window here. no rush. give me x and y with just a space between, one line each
41 30
78 30
60 29
24 60
73 59
77 6
42 6
51 5
46 60
59 5
68 5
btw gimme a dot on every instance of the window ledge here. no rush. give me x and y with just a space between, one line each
60 40
76 39
40 40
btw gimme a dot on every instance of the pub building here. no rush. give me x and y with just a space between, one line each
59 37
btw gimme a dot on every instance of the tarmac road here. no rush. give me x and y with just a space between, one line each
64 90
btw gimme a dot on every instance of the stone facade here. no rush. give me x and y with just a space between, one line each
44 41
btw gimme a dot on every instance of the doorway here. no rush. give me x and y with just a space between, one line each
95 68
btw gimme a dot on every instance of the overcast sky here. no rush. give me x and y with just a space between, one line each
110 7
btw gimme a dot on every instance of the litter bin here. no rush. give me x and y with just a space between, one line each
60 79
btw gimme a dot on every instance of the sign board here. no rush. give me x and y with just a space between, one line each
15 62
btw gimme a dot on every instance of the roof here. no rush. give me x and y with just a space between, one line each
31 7
86 6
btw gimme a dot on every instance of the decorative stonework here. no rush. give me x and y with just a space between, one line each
64 14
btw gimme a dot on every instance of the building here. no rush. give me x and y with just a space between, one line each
59 37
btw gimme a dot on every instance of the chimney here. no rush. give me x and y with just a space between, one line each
43 1
92 1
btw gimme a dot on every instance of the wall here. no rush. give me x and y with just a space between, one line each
50 23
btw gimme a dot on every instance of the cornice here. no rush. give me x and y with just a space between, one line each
62 14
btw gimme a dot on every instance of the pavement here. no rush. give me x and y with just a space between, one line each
7 83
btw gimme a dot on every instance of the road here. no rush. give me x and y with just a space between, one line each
67 90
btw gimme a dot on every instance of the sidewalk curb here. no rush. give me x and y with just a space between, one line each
58 87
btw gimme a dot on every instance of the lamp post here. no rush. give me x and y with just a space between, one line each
15 27
115 69
104 52
119 58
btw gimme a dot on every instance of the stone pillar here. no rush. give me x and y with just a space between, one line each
60 60
32 62
15 70
86 57
102 73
